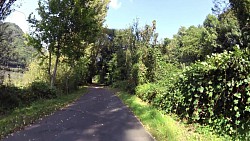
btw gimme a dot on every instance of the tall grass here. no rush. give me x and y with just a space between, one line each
164 127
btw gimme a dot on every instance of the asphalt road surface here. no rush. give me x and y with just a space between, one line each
99 115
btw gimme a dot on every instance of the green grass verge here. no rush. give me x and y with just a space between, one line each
23 116
164 127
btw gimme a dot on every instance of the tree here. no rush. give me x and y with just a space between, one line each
188 44
228 30
5 8
221 33
209 35
163 48
241 9
66 28
13 51
242 12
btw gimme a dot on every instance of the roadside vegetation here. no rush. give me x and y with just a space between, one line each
23 116
199 77
42 71
201 74
165 127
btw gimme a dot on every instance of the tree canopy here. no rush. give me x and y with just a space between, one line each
66 27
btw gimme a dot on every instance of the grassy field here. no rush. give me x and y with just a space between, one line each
23 116
165 127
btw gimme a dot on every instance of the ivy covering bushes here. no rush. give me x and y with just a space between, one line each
217 91
214 92
202 74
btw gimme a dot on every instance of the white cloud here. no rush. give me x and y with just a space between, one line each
18 18
115 4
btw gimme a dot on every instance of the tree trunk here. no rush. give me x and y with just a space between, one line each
53 79
52 82
49 67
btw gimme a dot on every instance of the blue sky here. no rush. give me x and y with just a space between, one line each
170 15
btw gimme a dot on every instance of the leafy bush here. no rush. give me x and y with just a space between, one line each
9 98
126 85
214 92
12 96
147 91
40 90
162 94
139 72
68 77
218 91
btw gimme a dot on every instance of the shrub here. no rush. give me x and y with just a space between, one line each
218 91
126 85
40 90
147 91
214 92
9 98
162 94
68 76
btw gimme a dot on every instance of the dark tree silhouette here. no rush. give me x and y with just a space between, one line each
5 8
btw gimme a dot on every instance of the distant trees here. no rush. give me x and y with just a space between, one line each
242 12
240 9
5 10
13 52
215 35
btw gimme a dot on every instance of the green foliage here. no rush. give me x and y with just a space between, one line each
216 35
214 92
139 72
189 47
125 85
228 31
164 127
34 85
12 97
68 77
217 91
135 57
36 72
9 98
241 9
40 90
73 25
28 114
162 94
14 52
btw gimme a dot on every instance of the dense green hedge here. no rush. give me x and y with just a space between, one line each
217 91
214 92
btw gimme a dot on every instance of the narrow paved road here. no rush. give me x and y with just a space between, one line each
97 116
